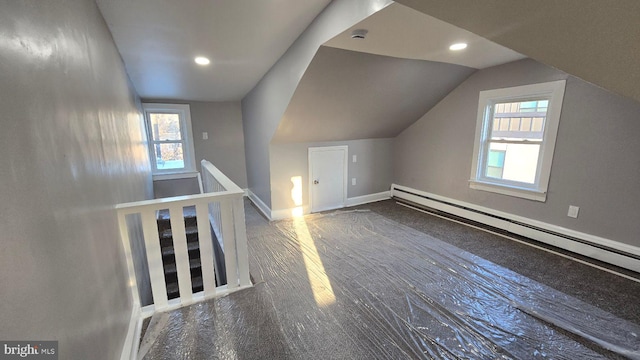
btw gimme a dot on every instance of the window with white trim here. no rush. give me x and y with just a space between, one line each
515 138
169 138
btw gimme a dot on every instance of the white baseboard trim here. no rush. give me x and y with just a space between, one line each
264 209
175 176
365 199
132 340
503 220
359 200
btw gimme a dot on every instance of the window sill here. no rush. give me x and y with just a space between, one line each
509 190
175 175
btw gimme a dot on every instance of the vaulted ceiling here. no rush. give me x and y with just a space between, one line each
593 39
403 32
347 95
159 39
596 40
376 87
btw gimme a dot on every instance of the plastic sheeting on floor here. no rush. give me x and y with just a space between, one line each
356 285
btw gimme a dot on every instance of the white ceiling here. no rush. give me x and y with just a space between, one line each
158 40
402 32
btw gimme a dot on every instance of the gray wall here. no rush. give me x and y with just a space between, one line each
225 146
595 164
263 107
175 187
347 95
373 169
72 145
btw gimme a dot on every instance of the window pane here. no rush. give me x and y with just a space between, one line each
528 106
543 105
494 172
496 158
169 156
515 162
519 120
165 126
538 124
515 124
504 124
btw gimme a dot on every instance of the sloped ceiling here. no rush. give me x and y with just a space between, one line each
403 32
158 40
347 95
596 40
378 86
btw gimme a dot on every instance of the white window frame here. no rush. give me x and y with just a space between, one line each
554 92
184 112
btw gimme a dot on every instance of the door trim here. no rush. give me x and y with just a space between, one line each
346 171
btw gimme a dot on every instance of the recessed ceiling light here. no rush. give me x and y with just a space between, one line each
458 46
201 60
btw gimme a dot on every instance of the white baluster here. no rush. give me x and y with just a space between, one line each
181 252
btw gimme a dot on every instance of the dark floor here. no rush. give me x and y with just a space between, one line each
609 292
387 282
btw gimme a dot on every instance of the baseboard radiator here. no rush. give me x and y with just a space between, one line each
508 226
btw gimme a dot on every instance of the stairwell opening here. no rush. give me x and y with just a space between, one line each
193 247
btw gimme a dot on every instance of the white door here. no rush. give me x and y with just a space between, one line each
328 177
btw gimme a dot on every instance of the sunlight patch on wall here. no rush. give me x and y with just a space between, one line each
296 196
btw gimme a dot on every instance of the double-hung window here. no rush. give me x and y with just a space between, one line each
515 137
169 138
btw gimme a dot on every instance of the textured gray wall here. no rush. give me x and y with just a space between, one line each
373 169
263 107
73 146
595 164
347 95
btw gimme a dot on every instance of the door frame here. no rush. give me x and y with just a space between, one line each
312 150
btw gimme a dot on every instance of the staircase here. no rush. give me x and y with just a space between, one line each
212 257
193 246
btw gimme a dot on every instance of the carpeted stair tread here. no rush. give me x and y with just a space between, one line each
166 236
168 253
188 231
173 289
191 246
172 269
164 221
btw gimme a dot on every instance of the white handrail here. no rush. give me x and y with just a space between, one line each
221 178
184 200
221 206
225 223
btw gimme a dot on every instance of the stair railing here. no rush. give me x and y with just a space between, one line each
221 206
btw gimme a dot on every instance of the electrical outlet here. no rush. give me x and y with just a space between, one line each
205 135
355 158
353 181
573 211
